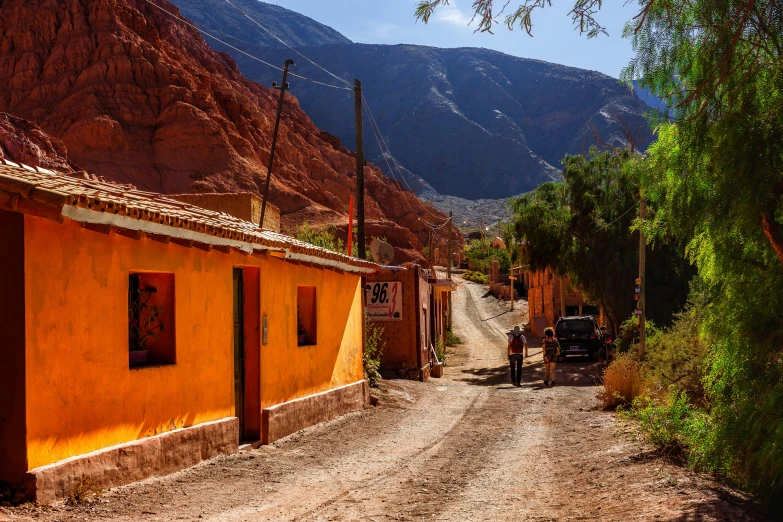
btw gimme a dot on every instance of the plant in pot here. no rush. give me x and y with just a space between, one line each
144 324
300 330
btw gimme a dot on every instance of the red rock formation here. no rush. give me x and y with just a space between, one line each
24 142
140 98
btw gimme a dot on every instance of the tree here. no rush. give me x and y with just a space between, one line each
581 228
583 14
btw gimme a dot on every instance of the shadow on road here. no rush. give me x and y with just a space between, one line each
577 372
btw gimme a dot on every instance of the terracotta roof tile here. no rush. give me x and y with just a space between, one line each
53 190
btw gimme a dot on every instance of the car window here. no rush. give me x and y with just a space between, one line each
581 326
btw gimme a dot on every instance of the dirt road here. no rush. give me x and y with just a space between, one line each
468 446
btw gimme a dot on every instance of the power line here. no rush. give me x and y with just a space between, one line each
286 44
180 19
374 126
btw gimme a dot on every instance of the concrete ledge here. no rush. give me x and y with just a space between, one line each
133 461
289 417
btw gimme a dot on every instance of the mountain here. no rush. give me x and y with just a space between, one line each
138 97
24 142
466 122
231 26
647 96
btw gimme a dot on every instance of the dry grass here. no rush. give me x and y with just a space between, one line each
622 383
81 491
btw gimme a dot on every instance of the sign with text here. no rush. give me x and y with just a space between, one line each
384 300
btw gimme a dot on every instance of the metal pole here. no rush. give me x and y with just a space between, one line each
357 95
642 267
283 87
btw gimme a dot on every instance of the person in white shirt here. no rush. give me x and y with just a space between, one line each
517 345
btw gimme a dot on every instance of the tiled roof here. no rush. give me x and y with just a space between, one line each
43 192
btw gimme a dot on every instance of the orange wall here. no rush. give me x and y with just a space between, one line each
290 371
81 395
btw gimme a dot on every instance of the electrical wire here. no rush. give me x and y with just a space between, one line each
386 153
386 159
186 22
286 44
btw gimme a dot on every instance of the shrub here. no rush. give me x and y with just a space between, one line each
452 339
373 349
480 256
476 277
440 351
327 238
622 382
673 425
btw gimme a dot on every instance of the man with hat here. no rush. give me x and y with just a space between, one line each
517 345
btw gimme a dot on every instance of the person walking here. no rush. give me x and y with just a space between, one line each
551 351
517 345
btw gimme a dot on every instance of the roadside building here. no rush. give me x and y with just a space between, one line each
261 335
545 292
440 316
398 300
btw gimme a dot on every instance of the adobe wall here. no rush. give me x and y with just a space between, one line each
81 394
243 205
403 338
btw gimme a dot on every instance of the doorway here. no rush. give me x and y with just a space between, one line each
239 350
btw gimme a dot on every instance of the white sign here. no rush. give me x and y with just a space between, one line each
384 300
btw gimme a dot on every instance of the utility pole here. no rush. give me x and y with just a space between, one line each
481 228
511 279
642 267
562 296
283 87
448 263
429 251
350 226
357 102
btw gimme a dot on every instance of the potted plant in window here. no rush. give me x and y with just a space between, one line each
300 329
144 323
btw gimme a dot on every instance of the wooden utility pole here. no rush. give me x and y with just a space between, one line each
642 267
511 279
283 87
562 296
429 250
481 228
448 263
357 103
350 226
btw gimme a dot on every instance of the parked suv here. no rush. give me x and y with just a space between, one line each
579 335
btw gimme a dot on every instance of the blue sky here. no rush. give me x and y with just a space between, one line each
554 40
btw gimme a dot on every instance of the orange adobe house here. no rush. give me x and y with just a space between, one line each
141 334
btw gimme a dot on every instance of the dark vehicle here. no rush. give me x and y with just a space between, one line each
579 335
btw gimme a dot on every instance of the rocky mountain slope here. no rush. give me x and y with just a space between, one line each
231 26
24 142
472 123
139 97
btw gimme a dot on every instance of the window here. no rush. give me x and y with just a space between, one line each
306 319
151 329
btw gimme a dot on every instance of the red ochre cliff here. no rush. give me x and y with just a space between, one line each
138 97
24 142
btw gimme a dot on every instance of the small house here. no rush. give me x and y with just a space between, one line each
142 334
398 301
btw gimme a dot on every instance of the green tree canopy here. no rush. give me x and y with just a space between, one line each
581 228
